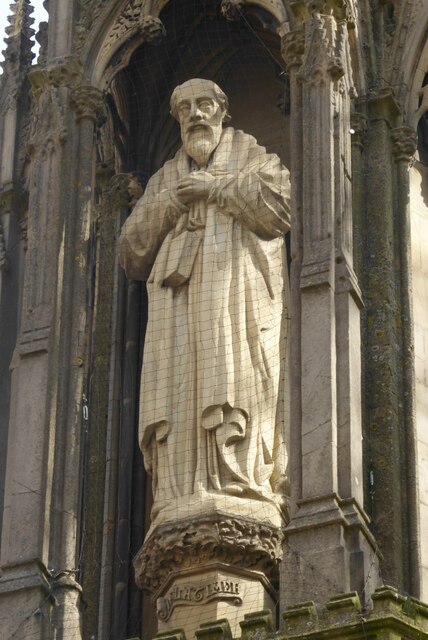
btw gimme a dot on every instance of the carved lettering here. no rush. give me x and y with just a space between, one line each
189 594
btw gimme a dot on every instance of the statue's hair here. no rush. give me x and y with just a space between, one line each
220 96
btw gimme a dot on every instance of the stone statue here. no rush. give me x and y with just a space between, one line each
207 236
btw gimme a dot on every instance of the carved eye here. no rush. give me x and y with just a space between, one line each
205 105
183 108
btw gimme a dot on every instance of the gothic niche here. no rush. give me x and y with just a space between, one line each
243 58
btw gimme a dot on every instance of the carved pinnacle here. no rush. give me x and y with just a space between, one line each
17 55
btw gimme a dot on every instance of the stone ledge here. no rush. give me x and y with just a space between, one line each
343 618
391 615
24 576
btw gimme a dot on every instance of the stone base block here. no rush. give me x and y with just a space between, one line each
26 601
35 604
215 592
328 549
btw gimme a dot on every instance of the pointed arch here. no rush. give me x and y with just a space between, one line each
117 33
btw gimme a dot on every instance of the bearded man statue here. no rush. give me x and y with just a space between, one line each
208 237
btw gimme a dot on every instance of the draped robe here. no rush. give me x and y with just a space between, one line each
211 364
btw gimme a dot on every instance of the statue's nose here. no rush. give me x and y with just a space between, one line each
195 113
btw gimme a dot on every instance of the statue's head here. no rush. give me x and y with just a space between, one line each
200 106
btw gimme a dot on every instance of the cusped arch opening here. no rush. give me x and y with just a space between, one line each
242 56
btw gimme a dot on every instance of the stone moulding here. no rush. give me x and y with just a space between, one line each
232 541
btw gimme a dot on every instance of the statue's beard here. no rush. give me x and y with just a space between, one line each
200 142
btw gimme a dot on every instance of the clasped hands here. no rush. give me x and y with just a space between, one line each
198 185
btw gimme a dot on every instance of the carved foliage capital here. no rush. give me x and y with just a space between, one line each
304 9
384 106
358 127
358 121
221 538
293 47
326 50
404 143
47 127
67 73
88 103
318 6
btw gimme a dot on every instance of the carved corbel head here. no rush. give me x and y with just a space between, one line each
152 29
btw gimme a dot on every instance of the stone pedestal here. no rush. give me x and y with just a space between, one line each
215 566
214 592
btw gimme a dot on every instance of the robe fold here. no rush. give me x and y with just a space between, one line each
212 354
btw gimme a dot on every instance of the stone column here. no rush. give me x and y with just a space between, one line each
328 545
382 337
404 145
40 541
87 107
292 48
14 120
116 358
358 137
26 581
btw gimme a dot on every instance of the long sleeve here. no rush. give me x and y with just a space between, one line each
258 196
154 215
